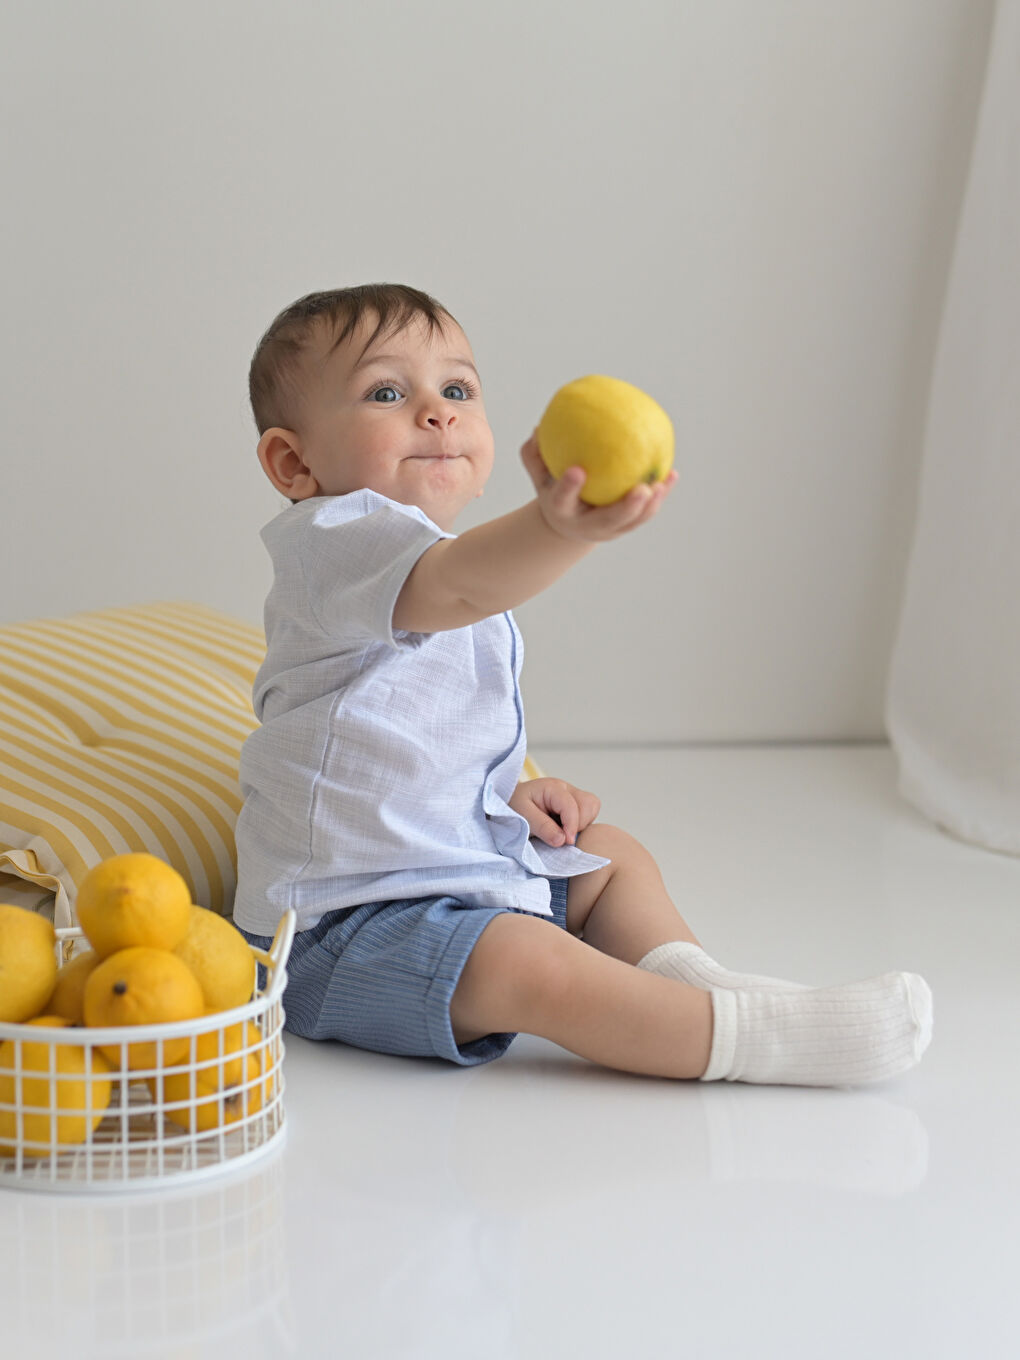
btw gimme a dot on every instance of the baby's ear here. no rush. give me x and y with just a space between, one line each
279 452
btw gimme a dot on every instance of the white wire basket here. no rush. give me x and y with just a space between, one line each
70 1123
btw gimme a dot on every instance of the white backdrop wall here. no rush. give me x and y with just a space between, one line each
746 208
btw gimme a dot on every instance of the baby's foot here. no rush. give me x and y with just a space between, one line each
827 1036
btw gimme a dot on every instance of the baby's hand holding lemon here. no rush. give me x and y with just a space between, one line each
566 512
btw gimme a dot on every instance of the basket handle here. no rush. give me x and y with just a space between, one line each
276 955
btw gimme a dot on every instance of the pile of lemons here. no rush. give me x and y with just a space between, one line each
155 958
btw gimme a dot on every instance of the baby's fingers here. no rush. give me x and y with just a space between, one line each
635 506
649 498
568 488
533 461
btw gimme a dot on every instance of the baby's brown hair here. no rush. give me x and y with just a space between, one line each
274 378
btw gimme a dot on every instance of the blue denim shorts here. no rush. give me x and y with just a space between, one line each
381 976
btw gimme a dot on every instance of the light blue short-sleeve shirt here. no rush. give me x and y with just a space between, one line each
385 760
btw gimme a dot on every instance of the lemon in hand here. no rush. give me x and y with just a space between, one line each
616 432
130 900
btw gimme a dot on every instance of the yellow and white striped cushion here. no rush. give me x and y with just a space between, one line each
122 730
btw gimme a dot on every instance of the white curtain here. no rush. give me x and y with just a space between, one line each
953 697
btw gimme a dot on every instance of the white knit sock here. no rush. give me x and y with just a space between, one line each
688 962
827 1036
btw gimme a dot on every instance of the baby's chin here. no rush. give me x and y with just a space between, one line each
441 510
442 491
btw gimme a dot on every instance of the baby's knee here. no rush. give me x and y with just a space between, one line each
517 963
610 842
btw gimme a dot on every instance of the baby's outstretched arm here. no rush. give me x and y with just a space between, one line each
498 565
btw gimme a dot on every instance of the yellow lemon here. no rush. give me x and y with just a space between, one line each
64 1106
68 995
132 900
616 432
28 962
220 1085
142 986
220 957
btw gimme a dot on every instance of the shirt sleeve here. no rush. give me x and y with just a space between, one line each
355 560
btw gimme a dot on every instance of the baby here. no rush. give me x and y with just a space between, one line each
382 794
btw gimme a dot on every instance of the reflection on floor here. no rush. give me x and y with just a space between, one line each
540 1206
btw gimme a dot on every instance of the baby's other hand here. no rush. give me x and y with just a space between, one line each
565 512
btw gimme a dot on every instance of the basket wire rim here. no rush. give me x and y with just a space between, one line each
275 959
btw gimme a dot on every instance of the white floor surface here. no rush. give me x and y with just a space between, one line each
540 1206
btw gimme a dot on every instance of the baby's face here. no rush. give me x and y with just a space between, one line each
408 421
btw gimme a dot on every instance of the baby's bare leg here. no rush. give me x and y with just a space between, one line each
527 975
624 910
763 1029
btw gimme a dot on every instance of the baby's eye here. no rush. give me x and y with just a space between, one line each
465 387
